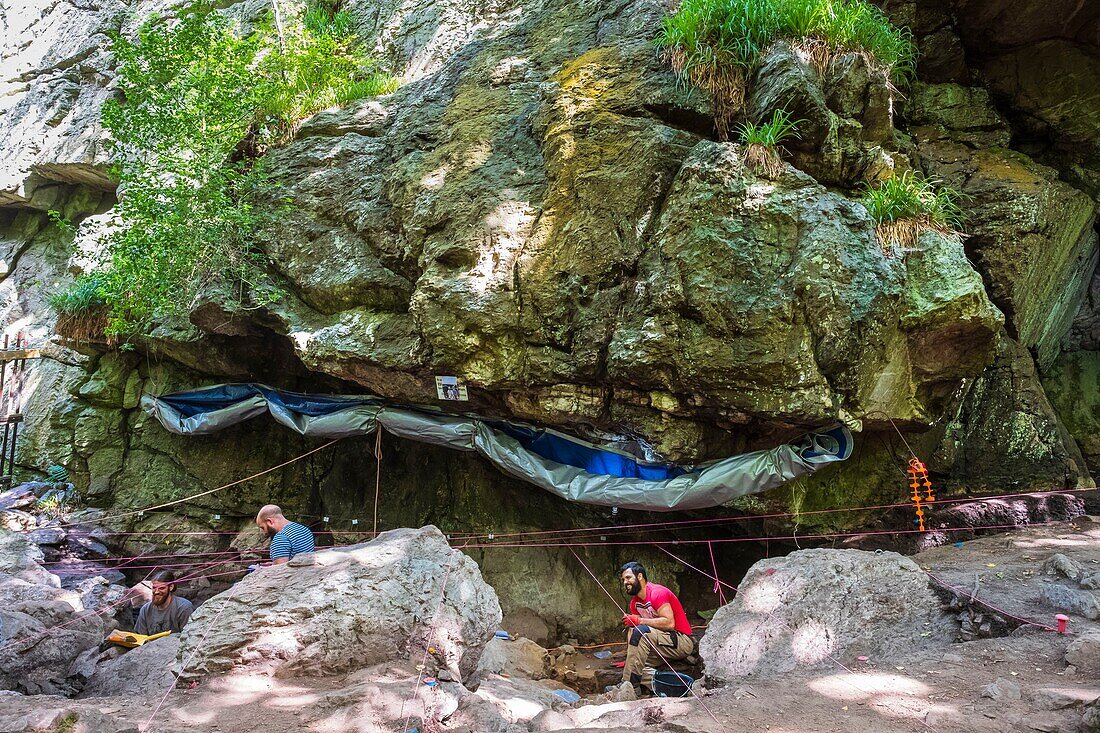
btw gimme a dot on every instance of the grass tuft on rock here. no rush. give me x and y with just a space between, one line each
763 142
82 313
717 44
905 206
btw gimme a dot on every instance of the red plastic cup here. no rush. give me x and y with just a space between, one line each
1061 619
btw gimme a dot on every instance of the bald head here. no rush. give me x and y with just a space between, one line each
268 510
270 519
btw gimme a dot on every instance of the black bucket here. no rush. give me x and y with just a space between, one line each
672 684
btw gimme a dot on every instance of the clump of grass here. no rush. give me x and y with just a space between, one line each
82 311
325 20
717 44
66 724
763 142
905 206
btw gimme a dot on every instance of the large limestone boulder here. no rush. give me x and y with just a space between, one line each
773 297
346 608
147 670
503 216
814 606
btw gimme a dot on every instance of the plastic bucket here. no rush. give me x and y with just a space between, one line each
672 684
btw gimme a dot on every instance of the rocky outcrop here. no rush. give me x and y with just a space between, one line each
56 72
1073 385
844 113
402 596
44 630
705 278
1006 433
814 606
148 670
464 242
541 211
1031 235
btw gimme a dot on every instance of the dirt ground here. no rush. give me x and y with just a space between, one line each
940 691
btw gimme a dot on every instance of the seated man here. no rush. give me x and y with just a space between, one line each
659 629
287 538
166 612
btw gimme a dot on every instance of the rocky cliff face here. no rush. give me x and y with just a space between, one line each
543 211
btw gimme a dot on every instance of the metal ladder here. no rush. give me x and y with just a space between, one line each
13 377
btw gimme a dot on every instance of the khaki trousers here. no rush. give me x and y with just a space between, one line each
671 645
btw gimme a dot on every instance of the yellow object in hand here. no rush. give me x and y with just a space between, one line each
130 639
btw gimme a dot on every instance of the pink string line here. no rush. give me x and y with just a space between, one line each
772 615
160 533
762 538
116 558
427 646
652 646
91 572
745 518
990 606
717 585
621 527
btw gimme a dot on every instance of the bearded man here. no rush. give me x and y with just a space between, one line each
166 611
659 630
287 538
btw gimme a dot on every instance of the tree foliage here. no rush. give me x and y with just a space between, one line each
202 100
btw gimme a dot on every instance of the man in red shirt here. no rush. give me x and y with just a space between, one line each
659 628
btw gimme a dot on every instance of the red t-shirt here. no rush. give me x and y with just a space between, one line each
655 597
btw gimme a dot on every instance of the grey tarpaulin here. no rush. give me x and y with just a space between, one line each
573 469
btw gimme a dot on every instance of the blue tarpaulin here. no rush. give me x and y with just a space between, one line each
572 468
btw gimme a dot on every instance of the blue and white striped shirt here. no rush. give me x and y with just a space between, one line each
293 539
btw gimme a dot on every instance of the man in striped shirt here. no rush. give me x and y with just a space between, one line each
287 538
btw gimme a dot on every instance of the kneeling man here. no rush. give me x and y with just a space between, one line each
659 630
167 611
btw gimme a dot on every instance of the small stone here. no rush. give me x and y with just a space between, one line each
1071 600
1002 689
549 720
625 692
1059 564
1083 653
